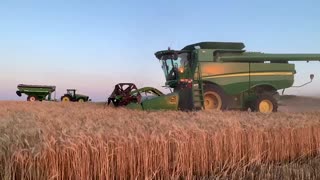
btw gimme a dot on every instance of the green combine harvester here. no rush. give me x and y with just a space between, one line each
44 92
223 76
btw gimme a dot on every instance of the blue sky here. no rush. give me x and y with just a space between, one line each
92 45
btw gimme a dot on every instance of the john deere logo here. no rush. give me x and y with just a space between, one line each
173 100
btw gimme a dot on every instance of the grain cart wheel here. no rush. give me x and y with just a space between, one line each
214 98
32 98
65 99
265 103
81 100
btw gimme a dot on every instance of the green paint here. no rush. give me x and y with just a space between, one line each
40 92
153 99
227 65
166 102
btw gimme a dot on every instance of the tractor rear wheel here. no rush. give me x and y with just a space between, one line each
214 98
32 98
265 103
65 99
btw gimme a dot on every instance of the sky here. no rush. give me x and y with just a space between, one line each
92 45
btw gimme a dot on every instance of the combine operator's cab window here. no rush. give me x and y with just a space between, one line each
172 65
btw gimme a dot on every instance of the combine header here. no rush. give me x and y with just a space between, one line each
146 98
222 75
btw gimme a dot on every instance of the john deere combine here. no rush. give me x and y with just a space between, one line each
222 75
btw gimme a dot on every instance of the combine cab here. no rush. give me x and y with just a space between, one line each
73 97
147 98
36 92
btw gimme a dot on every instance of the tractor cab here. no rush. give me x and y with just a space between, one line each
71 92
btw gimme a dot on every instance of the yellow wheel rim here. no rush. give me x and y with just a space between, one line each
212 101
80 100
265 106
65 99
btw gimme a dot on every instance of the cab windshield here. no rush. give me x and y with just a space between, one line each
171 66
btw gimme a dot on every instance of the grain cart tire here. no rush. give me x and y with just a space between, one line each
65 98
265 103
81 100
32 98
214 98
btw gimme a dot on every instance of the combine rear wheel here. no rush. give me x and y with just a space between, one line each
32 98
265 103
214 98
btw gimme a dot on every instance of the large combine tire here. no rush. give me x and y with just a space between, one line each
65 98
265 103
214 98
32 98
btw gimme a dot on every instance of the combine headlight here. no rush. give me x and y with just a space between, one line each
186 80
181 69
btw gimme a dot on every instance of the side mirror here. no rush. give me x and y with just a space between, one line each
175 56
311 76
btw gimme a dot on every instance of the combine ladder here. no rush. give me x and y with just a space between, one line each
197 90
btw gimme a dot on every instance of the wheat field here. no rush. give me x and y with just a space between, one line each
51 140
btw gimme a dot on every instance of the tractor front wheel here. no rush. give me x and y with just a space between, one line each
65 99
214 98
265 103
32 98
81 100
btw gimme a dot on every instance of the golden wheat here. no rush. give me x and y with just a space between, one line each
87 141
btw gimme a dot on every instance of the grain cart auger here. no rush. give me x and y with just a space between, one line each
36 92
222 75
72 96
146 98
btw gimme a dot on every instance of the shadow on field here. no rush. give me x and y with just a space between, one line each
292 103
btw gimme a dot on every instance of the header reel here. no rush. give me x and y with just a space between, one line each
124 94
